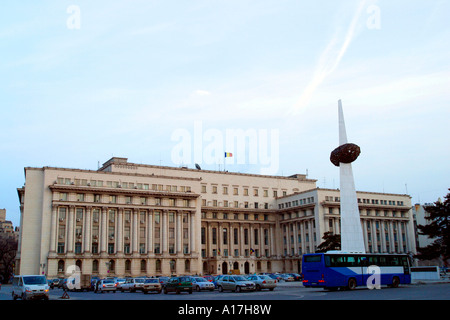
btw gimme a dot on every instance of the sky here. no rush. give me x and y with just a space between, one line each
175 82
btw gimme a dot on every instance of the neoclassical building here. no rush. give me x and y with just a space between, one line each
127 219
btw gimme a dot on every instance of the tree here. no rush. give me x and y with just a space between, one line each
331 242
8 248
438 228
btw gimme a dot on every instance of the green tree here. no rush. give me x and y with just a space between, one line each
331 242
438 228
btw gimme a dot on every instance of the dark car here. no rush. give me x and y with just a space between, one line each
296 276
178 284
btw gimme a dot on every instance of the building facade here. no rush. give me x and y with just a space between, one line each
129 219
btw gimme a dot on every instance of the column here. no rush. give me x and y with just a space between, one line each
296 238
53 229
164 233
135 232
391 238
374 237
150 232
400 238
366 241
192 236
87 230
209 242
240 240
119 240
179 236
104 231
70 229
383 236
303 236
272 241
311 236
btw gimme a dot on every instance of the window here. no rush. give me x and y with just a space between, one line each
62 214
225 236
214 236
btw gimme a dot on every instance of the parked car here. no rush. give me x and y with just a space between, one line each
209 278
132 284
296 276
286 277
217 278
263 282
275 276
163 280
119 282
151 284
178 284
30 287
106 285
235 283
200 283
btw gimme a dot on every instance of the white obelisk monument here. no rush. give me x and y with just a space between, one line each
351 231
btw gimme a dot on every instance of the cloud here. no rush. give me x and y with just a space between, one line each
201 93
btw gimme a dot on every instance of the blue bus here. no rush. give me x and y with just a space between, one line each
347 271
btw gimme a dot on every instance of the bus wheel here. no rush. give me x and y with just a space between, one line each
351 284
395 282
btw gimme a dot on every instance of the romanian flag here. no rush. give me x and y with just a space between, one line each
252 251
228 155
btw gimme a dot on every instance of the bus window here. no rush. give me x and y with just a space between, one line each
394 261
351 261
315 258
373 260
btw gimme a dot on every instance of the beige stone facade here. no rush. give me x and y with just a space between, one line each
129 219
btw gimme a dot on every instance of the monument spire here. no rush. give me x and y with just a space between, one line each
351 231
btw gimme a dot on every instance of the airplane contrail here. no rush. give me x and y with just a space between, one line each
329 60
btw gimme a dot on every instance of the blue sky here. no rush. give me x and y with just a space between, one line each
135 72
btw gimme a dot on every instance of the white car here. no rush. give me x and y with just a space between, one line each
106 285
199 283
30 287
263 282
132 284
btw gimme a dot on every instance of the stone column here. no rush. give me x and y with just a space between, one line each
53 229
70 229
87 230
119 239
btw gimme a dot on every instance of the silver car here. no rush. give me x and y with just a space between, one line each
235 283
199 283
263 282
107 285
